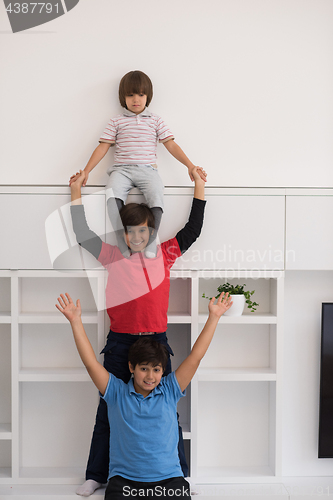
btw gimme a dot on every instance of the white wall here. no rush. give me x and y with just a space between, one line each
245 86
304 294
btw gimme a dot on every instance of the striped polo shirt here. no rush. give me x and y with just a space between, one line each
135 137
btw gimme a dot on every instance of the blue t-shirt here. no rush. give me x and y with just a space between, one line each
143 431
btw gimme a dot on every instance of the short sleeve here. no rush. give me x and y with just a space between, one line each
162 131
171 251
107 254
171 388
112 389
110 133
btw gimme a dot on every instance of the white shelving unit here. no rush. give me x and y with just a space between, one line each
236 393
231 417
49 407
47 399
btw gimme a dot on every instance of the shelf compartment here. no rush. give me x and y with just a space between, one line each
237 428
245 319
5 459
5 378
5 317
180 297
51 318
229 474
265 295
54 375
5 293
51 348
50 437
248 349
179 318
236 375
48 290
52 475
5 431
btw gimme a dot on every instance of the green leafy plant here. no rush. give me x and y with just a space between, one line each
236 290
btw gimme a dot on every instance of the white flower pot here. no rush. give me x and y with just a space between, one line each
237 307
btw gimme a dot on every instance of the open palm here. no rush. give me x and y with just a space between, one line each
67 307
224 303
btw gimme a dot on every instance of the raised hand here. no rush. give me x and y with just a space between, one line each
67 307
200 171
224 303
82 175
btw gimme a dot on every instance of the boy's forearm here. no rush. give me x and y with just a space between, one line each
199 189
83 345
98 374
202 343
178 153
97 156
76 194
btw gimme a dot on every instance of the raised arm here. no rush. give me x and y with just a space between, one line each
179 154
199 184
95 158
192 229
189 366
84 235
98 374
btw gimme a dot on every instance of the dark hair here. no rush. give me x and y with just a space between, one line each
135 82
134 214
146 350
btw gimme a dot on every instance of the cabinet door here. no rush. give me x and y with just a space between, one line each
309 235
239 232
36 231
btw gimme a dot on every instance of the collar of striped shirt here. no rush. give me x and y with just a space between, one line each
145 112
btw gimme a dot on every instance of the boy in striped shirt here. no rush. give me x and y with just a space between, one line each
135 134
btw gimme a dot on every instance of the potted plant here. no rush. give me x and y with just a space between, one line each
239 297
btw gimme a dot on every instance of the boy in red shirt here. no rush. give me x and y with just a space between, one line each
137 298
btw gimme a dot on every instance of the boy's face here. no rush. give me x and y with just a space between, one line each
136 102
146 377
137 237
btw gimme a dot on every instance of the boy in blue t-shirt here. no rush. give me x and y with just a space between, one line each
144 457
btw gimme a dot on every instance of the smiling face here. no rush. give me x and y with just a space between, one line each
137 237
136 102
146 377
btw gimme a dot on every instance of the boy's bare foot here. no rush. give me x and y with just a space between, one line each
193 488
88 488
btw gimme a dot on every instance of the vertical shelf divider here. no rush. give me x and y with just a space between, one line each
279 373
15 302
194 383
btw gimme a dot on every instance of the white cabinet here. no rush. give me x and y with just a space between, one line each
36 230
243 228
241 231
309 235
